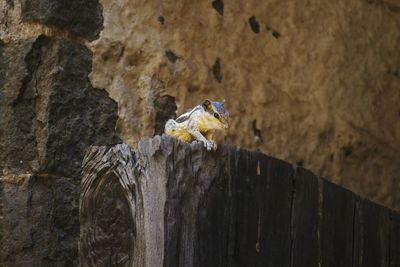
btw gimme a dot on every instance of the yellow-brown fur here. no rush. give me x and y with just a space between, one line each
199 124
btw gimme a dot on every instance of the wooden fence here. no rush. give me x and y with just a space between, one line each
174 204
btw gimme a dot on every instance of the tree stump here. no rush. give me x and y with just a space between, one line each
175 204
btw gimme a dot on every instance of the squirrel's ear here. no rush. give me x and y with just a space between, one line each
206 104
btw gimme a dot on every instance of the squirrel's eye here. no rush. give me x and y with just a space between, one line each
216 115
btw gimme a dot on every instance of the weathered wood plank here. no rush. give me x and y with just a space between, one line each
395 240
274 192
176 204
306 218
216 216
246 202
371 235
108 209
337 226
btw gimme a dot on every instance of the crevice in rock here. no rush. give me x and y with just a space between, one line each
218 5
256 132
161 19
171 56
347 150
165 109
32 61
276 34
216 69
254 25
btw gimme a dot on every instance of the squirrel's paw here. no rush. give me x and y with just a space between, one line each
209 145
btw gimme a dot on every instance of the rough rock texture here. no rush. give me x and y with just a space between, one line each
49 111
175 204
80 17
40 222
49 115
12 26
315 83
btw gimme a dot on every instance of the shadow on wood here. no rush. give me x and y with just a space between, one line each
175 204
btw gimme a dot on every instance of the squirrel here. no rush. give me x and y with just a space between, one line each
200 124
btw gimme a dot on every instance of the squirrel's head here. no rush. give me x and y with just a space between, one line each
219 113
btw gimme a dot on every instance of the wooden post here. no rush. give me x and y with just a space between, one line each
175 204
108 209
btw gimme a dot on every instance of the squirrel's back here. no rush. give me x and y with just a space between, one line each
175 129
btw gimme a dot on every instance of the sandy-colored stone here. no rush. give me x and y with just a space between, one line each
320 80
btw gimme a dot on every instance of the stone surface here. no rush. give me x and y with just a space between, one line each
313 83
49 115
39 222
17 144
12 27
83 18
50 112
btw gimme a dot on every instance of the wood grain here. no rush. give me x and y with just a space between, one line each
175 204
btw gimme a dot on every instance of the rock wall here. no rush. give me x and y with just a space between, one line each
315 83
49 114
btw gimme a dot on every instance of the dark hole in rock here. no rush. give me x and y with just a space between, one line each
161 19
396 73
171 56
256 132
255 26
216 69
218 5
276 34
165 109
347 150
